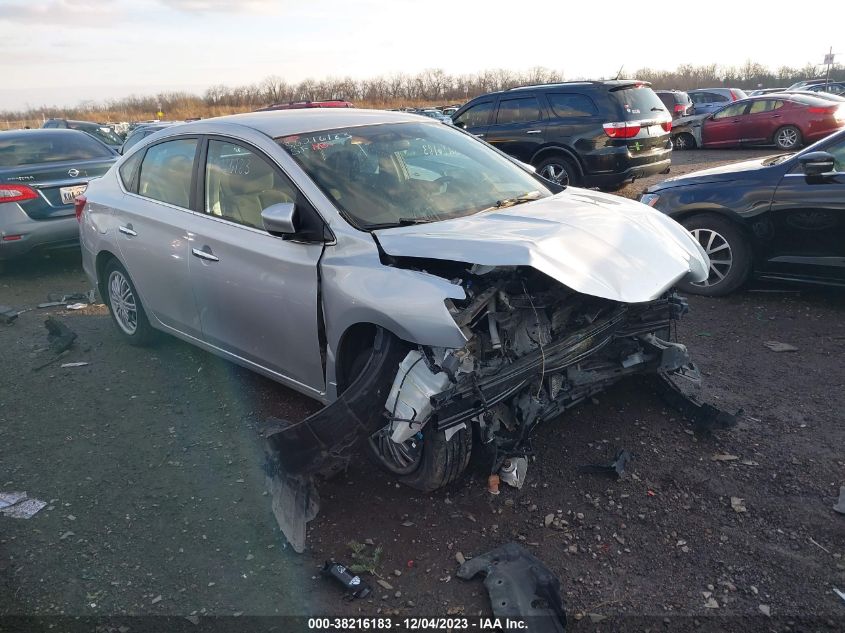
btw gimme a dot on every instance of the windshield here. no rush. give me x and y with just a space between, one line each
405 173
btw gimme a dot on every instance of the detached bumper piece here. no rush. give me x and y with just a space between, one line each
520 587
322 443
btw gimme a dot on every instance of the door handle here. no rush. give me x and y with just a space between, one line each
480 135
205 253
533 131
127 230
776 116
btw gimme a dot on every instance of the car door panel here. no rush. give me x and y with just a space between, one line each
518 128
256 293
725 128
153 235
808 225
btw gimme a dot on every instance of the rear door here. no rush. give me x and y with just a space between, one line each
763 118
156 230
808 222
257 293
519 127
571 116
726 128
476 118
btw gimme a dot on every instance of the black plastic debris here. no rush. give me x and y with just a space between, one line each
295 500
520 587
840 505
354 584
680 390
59 336
615 468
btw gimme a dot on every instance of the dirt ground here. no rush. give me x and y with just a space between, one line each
152 467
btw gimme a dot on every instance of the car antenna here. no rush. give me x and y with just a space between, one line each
620 71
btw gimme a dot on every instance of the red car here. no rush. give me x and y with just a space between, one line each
787 120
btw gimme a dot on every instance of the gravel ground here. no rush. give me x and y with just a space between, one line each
151 465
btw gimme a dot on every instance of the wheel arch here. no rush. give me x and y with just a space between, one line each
357 338
722 212
100 263
555 150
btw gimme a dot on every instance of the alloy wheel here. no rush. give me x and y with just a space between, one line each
787 138
719 251
555 172
123 303
403 458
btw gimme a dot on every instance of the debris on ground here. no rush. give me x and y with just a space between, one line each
839 593
738 504
614 468
493 484
680 390
777 346
724 457
765 610
79 364
354 585
8 314
18 505
513 471
295 501
76 306
520 587
59 336
840 505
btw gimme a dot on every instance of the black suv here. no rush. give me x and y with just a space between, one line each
586 133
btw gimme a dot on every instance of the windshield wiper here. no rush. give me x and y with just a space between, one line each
510 202
400 222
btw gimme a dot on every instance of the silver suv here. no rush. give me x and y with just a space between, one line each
412 278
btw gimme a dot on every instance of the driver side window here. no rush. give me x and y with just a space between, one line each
731 111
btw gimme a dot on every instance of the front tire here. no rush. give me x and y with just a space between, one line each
427 461
560 170
125 307
729 252
788 137
683 141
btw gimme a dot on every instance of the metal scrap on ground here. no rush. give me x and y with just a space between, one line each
18 505
840 505
520 586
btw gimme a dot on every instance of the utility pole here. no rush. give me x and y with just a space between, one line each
828 59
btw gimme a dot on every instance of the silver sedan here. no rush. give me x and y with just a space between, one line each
415 280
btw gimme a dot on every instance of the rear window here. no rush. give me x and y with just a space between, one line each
37 147
638 103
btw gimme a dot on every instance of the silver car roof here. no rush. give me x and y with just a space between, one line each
285 122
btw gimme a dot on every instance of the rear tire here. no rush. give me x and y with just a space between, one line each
560 170
125 307
788 137
729 252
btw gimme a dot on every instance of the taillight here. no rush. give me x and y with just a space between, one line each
823 109
839 115
679 107
622 129
78 206
667 126
17 193
734 96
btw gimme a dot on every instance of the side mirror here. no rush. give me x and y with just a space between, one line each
817 164
459 124
280 219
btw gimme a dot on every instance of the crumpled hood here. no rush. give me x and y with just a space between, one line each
595 243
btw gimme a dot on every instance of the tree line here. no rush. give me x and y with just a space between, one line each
430 87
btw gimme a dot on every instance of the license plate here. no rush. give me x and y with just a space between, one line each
69 194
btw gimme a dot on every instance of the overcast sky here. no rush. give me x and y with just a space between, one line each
60 52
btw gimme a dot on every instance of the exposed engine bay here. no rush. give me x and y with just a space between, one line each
534 348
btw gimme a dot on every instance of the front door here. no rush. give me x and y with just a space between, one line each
518 128
476 118
256 293
808 222
726 127
763 118
153 224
